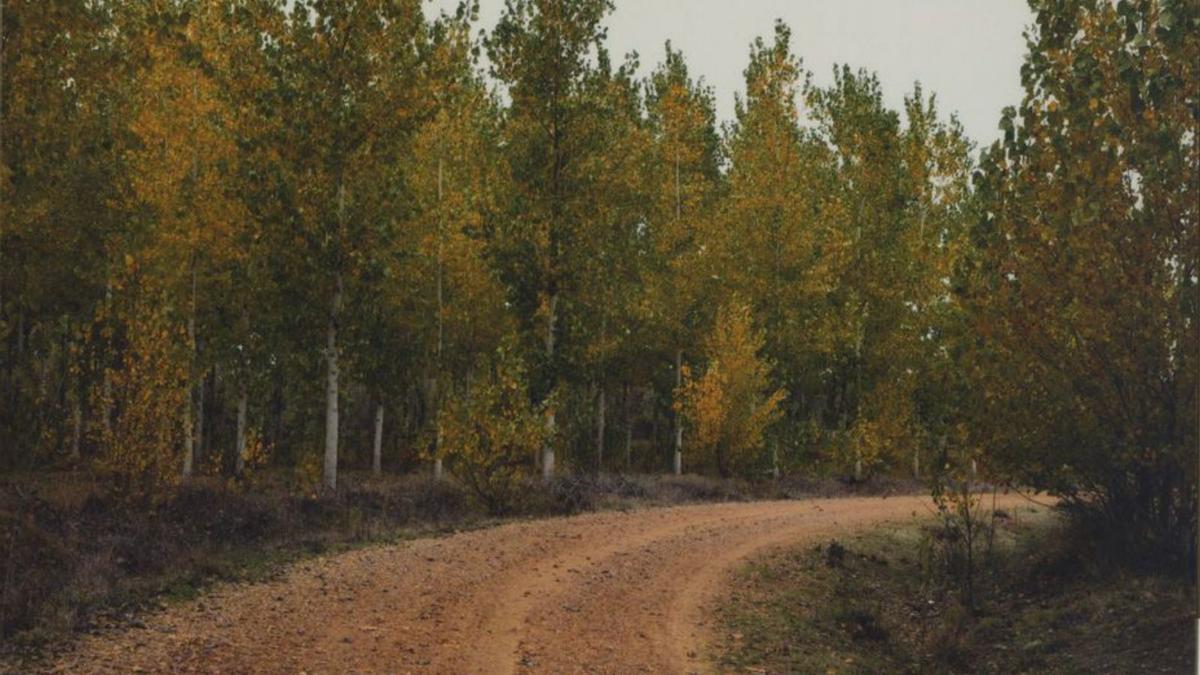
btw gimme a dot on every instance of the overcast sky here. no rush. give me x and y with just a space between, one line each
968 52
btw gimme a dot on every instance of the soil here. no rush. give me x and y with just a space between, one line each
615 592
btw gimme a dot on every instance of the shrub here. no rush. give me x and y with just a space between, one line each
490 435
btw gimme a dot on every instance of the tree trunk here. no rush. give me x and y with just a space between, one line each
377 446
331 390
76 425
437 437
775 460
628 429
678 463
858 394
189 435
106 371
548 447
240 441
189 440
199 434
601 406
917 464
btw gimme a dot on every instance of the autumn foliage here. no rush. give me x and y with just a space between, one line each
730 407
251 235
490 434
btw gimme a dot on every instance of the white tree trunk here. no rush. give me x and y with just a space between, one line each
331 391
377 446
678 463
200 396
916 465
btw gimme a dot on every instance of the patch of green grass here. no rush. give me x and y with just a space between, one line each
873 603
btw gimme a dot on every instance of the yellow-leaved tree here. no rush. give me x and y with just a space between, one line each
730 406
145 393
490 434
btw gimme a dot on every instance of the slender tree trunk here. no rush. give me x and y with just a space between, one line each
628 429
189 430
76 424
331 358
201 391
105 369
678 462
601 410
20 335
775 460
331 390
917 464
654 428
439 376
240 441
377 446
548 448
858 459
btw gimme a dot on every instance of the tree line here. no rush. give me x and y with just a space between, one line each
321 234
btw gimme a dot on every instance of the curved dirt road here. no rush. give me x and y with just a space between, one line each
604 592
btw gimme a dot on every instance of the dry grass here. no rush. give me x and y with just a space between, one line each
874 603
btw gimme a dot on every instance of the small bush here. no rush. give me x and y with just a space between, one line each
490 436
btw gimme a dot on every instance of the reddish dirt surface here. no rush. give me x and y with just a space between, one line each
599 593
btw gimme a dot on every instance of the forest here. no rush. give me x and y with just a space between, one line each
252 237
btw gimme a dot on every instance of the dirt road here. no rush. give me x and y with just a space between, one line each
603 593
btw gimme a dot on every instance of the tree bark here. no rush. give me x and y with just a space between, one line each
677 465
548 447
189 433
628 429
601 410
331 390
201 390
377 446
240 442
76 425
441 330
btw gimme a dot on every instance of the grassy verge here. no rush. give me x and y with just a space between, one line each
73 558
875 603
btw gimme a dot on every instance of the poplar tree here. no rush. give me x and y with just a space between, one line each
544 51
683 182
349 70
1085 289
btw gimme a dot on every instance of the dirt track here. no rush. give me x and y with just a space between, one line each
605 593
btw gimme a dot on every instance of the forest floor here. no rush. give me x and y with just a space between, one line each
880 600
605 592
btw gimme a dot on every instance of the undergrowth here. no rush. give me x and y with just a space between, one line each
886 601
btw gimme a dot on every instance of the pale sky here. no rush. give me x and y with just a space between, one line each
968 52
